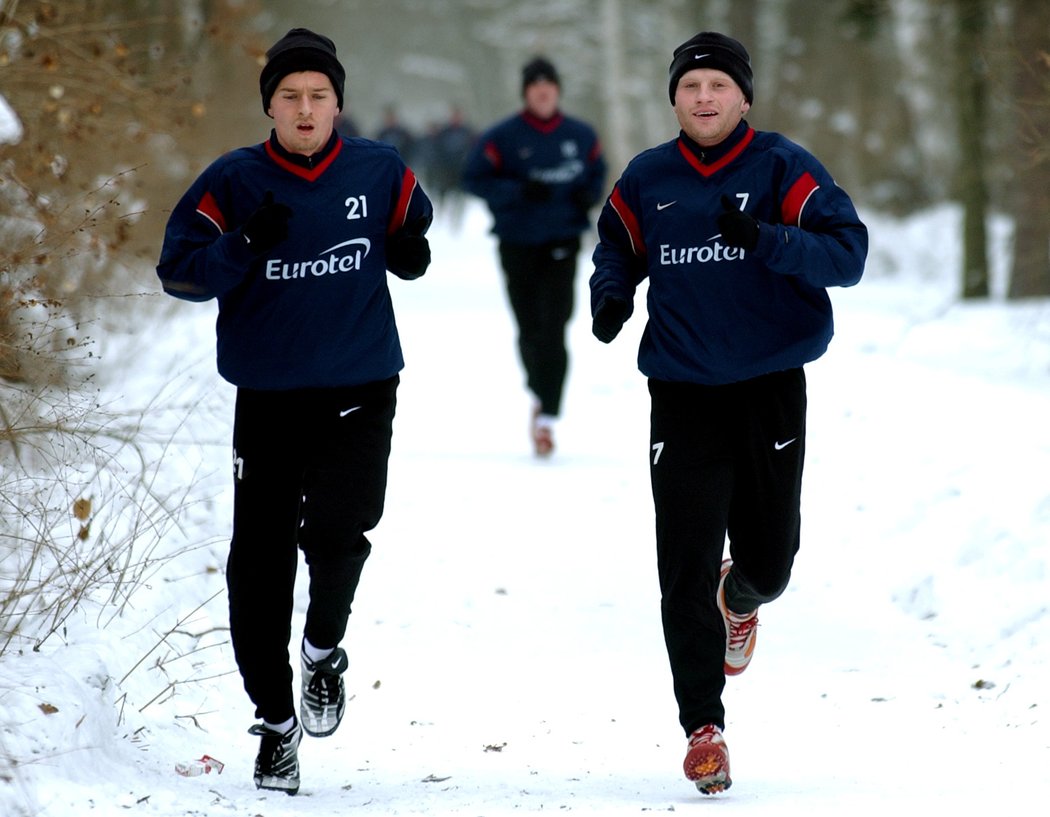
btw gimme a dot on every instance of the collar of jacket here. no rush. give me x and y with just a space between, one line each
307 162
714 157
308 167
543 125
713 153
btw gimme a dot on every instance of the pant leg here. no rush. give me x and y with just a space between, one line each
541 290
344 492
556 306
691 467
261 568
765 518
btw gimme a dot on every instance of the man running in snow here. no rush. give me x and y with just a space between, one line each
540 172
739 232
294 238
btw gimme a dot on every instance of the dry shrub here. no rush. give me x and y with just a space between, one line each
110 97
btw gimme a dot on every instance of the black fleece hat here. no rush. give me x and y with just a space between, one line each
300 50
537 69
709 49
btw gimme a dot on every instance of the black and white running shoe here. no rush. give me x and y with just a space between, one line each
277 764
323 698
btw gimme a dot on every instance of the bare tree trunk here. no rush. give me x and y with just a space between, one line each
971 118
616 131
1030 276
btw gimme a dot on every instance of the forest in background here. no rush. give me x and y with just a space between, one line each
908 102
121 103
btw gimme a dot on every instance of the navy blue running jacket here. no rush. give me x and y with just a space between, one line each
564 153
315 311
719 314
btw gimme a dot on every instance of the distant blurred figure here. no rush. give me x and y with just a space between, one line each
393 132
540 173
451 144
425 153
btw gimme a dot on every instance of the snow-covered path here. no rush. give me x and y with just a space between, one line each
506 654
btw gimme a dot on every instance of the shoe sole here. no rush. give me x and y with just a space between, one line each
707 766
710 775
715 785
270 783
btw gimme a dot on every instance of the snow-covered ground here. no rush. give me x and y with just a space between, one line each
506 654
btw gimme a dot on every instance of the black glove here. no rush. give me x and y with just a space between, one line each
609 318
581 197
267 226
536 191
739 229
408 256
408 251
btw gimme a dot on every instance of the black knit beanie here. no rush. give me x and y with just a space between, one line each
709 49
539 69
300 50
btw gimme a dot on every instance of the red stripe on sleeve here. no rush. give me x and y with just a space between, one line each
209 208
796 198
408 187
630 222
493 155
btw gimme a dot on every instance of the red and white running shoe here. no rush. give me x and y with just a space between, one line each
741 630
542 430
707 760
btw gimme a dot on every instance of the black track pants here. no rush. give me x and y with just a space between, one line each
540 280
310 472
725 461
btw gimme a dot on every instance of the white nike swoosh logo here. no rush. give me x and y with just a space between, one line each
348 411
337 662
778 446
660 206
